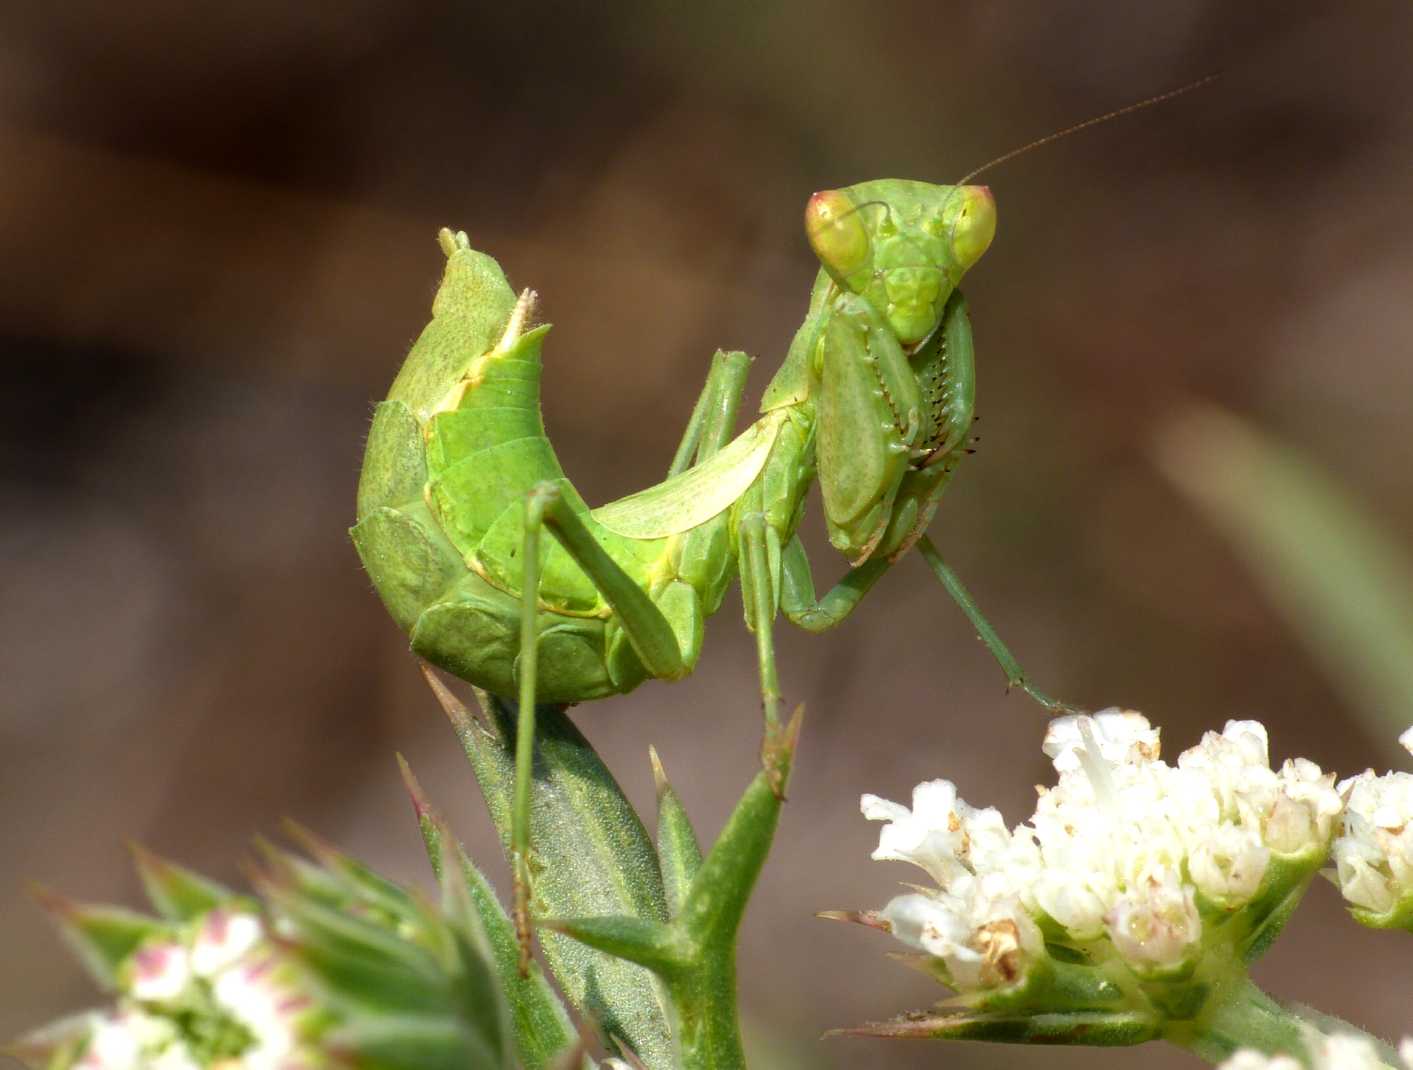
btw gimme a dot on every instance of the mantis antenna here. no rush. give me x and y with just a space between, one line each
1067 131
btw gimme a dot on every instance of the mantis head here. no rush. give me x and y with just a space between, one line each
902 245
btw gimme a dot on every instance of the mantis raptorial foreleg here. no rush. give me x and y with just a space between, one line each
797 597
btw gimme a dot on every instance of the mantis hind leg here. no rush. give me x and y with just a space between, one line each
647 628
1015 675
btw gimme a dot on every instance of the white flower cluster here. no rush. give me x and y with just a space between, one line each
1373 854
227 978
1327 1053
1124 848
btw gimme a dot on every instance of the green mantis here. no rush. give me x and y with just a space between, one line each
873 401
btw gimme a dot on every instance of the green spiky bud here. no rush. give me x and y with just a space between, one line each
341 967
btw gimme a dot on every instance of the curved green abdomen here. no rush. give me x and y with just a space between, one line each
451 454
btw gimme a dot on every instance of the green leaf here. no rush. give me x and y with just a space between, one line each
357 881
677 848
590 856
1344 585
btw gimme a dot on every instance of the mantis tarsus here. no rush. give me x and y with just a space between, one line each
874 400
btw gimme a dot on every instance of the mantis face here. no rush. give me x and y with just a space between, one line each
903 246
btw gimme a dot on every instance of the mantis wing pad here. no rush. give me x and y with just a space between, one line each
696 495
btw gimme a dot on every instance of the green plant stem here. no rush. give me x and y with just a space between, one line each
1241 1015
704 994
694 956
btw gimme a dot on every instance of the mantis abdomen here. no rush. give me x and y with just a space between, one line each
452 454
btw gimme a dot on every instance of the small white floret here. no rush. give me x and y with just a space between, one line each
1154 925
1122 736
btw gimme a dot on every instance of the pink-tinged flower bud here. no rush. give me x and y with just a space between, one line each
224 938
158 973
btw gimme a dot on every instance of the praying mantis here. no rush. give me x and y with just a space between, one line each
873 402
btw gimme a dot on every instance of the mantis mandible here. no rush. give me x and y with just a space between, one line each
874 401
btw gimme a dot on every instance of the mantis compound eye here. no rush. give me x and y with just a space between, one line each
837 233
974 224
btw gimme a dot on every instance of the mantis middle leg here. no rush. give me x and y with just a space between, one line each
1015 675
802 608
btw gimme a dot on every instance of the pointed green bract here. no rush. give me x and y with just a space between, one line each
1090 1028
177 893
542 1026
677 848
478 989
660 947
408 986
102 937
429 822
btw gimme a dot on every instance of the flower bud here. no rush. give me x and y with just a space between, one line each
1373 853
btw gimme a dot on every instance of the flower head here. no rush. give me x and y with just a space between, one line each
213 993
215 983
1126 862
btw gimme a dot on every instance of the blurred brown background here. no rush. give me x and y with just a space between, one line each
217 234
